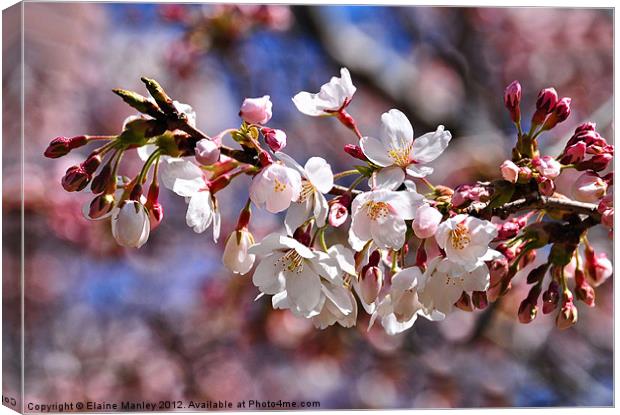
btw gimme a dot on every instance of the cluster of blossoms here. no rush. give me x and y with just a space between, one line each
409 252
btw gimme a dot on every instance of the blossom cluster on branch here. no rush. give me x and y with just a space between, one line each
413 249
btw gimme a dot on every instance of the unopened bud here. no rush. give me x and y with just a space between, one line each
545 104
574 154
100 205
512 99
559 114
102 180
546 187
583 290
275 139
371 283
537 274
597 163
338 214
91 164
156 215
568 313
75 179
302 235
61 146
510 171
264 158
207 152
355 151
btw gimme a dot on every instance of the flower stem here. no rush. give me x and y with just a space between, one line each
344 174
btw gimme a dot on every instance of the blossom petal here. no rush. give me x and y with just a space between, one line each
268 277
414 170
304 289
199 212
389 232
339 296
306 103
397 130
376 151
296 215
320 174
321 209
429 146
388 177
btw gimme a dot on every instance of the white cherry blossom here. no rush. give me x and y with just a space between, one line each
465 239
445 281
275 187
332 97
400 307
317 180
380 215
398 154
292 273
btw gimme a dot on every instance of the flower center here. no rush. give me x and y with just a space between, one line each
279 186
401 156
307 190
459 237
292 262
377 210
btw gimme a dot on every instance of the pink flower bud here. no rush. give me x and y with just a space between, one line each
559 114
589 187
91 164
61 146
355 151
102 180
275 139
512 99
302 235
100 205
586 126
598 267
426 221
371 283
547 166
546 187
574 154
568 314
547 100
545 104
75 179
256 110
597 163
156 215
207 152
510 171
583 290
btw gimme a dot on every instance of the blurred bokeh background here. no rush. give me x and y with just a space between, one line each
167 321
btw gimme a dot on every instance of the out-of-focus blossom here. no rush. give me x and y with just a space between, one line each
399 154
589 187
333 96
469 193
380 215
275 187
256 110
598 267
606 209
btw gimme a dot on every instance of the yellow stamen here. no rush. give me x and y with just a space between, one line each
377 210
307 190
401 156
292 262
459 237
279 186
